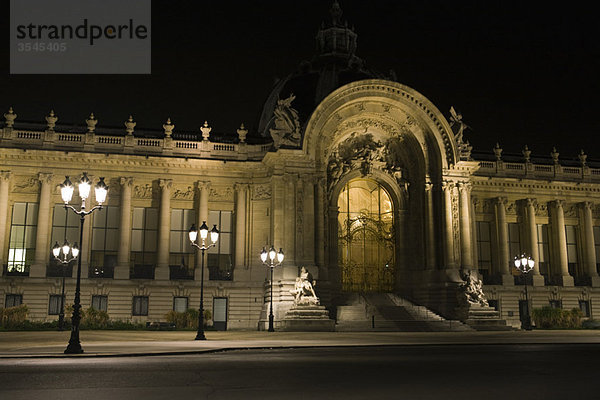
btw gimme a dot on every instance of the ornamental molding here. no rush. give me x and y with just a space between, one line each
390 91
261 192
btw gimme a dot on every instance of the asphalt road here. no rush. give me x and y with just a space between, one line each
507 372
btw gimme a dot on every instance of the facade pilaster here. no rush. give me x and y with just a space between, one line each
589 248
164 229
449 259
532 239
289 244
124 253
430 227
502 235
203 192
241 190
4 223
42 248
465 225
561 243
309 220
320 225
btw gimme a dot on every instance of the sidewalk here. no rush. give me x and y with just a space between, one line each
141 343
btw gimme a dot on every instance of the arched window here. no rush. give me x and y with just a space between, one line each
366 242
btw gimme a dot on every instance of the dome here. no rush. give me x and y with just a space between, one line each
294 98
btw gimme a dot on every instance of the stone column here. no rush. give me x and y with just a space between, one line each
589 249
124 254
4 224
430 227
538 279
466 255
502 235
561 242
42 248
449 260
320 226
164 230
201 216
309 222
289 244
240 224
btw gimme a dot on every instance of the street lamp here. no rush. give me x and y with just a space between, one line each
524 264
271 255
66 192
63 258
214 236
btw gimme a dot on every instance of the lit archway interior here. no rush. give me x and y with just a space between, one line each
366 240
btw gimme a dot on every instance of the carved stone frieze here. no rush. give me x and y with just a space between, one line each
511 208
570 210
261 192
183 194
142 191
541 209
221 193
26 184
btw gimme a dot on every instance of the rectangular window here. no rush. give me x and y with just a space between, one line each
13 300
181 253
100 303
493 304
144 240
220 257
556 303
571 233
484 248
21 250
514 241
54 304
105 242
180 304
65 226
140 305
543 249
584 306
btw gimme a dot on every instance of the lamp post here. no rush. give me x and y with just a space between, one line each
524 264
214 236
64 259
66 192
272 255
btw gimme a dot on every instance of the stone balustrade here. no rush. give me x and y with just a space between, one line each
530 170
92 142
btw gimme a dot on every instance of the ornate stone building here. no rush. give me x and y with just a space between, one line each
360 179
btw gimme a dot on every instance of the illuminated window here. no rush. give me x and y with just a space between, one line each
543 249
484 248
571 234
219 258
181 254
21 250
65 226
366 237
180 304
144 234
105 242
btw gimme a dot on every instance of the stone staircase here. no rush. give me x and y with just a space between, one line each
381 312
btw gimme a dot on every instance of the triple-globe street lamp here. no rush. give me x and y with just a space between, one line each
524 264
272 255
203 246
66 192
61 254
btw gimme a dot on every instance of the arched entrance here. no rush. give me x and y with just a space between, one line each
366 242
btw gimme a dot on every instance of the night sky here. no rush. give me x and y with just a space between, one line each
519 73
